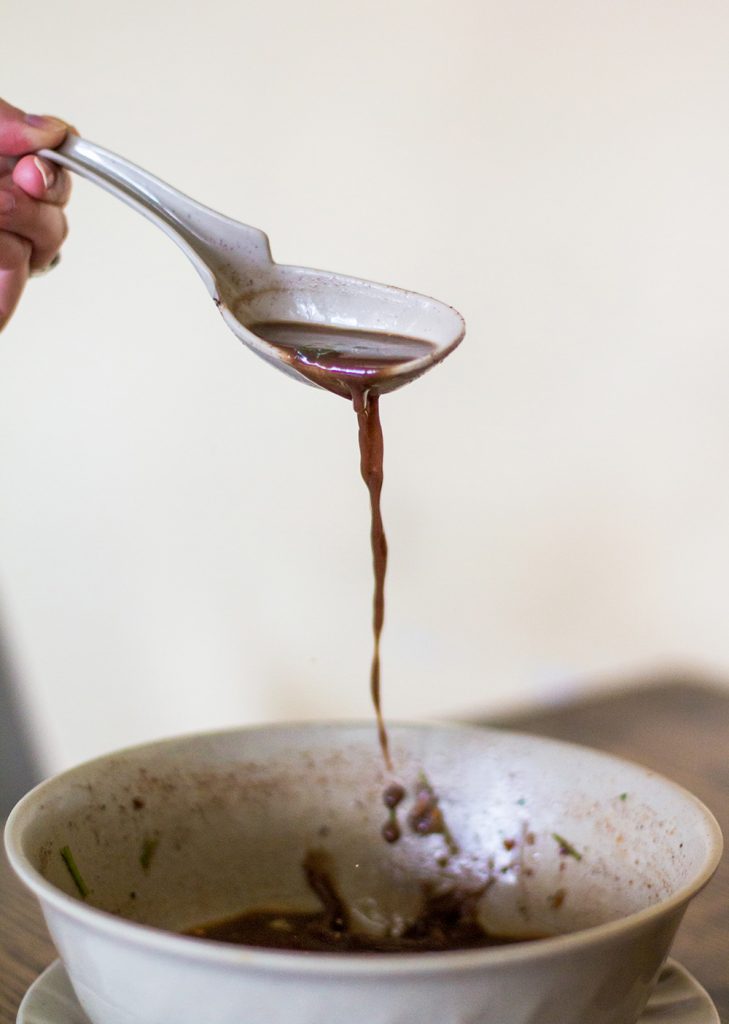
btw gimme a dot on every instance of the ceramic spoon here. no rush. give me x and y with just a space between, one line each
235 263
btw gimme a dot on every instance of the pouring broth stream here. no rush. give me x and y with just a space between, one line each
357 365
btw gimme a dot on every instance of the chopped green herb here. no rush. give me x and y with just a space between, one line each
149 847
623 796
565 847
74 872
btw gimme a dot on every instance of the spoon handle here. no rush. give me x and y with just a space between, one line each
187 222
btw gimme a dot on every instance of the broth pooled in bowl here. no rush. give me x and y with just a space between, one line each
447 921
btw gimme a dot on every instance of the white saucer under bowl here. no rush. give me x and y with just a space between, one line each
678 999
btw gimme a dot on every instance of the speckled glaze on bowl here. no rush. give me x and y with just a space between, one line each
600 854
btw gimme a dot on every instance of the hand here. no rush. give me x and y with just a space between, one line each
33 193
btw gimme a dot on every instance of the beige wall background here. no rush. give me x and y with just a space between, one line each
183 533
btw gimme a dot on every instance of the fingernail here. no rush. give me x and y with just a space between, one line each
7 202
46 172
43 121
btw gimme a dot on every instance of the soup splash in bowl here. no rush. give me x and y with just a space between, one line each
521 880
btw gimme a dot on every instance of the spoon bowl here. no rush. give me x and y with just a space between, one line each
251 290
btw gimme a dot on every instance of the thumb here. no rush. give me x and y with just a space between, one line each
24 133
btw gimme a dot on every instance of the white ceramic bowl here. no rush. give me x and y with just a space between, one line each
602 854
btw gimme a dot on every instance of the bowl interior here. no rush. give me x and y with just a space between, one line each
200 828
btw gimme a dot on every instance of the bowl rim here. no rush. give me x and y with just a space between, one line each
151 938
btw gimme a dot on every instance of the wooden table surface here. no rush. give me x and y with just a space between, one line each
680 729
